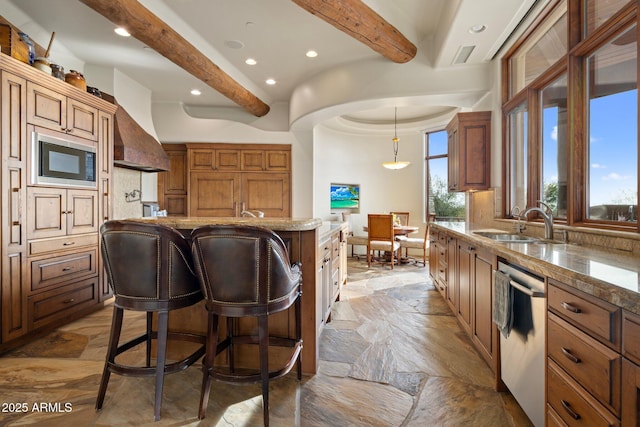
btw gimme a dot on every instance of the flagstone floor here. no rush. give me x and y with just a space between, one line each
393 355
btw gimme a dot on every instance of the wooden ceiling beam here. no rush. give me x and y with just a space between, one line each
365 25
155 33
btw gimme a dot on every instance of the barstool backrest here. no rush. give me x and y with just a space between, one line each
244 270
149 266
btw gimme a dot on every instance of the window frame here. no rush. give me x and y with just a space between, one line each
580 47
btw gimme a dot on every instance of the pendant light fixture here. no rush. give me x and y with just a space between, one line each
395 164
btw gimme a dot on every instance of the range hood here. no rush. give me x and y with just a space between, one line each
133 147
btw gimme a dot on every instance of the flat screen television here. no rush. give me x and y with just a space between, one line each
345 197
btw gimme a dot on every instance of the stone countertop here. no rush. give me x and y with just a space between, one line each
275 224
611 275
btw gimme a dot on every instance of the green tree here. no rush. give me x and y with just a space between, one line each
445 204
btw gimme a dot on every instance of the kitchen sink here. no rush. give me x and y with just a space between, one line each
507 237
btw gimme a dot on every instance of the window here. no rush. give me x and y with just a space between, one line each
517 168
554 167
613 131
571 124
541 50
445 205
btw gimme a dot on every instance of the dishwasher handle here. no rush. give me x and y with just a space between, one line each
527 291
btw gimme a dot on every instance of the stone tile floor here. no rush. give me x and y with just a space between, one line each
393 355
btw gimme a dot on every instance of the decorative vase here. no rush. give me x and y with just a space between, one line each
75 78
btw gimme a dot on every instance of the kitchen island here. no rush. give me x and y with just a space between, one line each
301 237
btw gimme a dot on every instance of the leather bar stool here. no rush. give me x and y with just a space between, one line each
244 271
150 269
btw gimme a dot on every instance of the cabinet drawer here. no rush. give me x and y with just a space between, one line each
593 365
50 271
574 406
599 318
631 336
59 303
43 246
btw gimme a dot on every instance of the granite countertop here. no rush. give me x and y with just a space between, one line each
611 275
275 224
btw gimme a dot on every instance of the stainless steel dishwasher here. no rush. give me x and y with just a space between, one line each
522 352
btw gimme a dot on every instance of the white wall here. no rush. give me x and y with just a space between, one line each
357 159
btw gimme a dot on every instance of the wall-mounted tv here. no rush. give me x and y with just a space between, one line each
345 197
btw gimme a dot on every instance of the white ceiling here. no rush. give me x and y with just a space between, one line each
276 33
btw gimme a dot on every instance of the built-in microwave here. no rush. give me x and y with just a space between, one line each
61 162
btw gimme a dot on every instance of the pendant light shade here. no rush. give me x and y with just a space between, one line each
395 164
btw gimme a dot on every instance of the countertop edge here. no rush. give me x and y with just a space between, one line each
275 224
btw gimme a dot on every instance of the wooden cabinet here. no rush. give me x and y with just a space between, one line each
172 185
53 110
434 252
14 169
469 289
469 151
630 369
226 179
464 280
59 211
484 333
51 271
584 363
332 254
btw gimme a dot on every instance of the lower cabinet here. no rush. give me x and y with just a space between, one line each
484 332
584 363
630 369
332 253
469 291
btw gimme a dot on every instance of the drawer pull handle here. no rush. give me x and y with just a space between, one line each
67 268
571 308
68 243
570 356
70 300
567 407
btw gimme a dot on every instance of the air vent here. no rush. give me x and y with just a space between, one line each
463 54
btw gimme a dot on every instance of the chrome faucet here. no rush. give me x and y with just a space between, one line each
546 216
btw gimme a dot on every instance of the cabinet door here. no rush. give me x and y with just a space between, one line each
465 263
82 211
267 192
82 120
484 331
433 256
452 286
252 160
46 108
630 394
13 302
278 160
227 159
452 167
469 142
201 159
214 194
175 179
46 212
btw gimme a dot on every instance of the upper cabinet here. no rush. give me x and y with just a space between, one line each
53 110
469 145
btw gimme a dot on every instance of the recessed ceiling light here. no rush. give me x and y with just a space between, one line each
270 82
475 29
196 92
122 32
250 61
311 54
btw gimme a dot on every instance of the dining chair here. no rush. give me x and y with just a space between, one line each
418 243
381 236
401 218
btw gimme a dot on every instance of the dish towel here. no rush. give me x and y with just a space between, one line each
502 302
